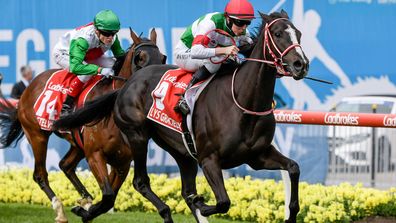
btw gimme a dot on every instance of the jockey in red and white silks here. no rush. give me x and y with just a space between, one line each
192 52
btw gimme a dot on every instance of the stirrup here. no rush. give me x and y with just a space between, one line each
182 107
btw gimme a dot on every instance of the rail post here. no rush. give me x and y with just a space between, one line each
373 145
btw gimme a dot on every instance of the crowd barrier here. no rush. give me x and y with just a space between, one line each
360 145
335 118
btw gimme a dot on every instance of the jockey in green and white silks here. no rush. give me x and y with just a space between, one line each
190 53
83 52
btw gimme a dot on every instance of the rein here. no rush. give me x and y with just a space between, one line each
268 41
246 111
277 62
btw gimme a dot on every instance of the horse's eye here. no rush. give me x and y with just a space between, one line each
278 34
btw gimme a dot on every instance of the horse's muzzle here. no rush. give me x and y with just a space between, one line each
298 69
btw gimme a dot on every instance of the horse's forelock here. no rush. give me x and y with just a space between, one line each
264 20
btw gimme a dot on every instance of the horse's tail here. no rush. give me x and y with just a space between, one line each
10 126
93 111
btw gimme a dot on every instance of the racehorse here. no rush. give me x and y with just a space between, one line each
102 141
233 120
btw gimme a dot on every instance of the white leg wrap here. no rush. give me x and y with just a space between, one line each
201 218
60 213
287 186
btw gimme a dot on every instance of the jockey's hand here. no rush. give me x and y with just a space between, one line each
231 50
107 72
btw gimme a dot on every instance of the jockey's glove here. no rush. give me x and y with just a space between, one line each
107 72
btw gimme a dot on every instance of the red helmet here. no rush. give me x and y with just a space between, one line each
239 9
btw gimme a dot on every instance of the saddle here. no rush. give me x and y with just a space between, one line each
166 95
49 103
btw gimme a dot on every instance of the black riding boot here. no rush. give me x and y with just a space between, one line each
201 74
67 106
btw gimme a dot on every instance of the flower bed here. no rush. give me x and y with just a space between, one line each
252 200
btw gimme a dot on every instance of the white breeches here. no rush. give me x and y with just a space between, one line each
182 58
62 58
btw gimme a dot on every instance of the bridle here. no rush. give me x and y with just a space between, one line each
136 52
277 61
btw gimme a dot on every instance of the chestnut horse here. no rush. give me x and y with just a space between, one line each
102 141
233 121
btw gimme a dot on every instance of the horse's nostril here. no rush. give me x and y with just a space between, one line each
298 65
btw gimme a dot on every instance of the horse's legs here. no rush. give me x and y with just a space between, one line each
40 174
98 167
116 179
68 165
188 171
141 180
214 176
272 159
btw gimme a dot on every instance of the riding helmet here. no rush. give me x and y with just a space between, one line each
107 21
239 9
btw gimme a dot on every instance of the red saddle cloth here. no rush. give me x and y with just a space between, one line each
165 96
49 104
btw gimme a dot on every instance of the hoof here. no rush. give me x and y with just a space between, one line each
80 211
206 211
61 221
86 203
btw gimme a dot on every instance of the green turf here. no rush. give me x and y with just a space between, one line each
25 213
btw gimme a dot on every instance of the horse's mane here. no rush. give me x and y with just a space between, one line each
119 62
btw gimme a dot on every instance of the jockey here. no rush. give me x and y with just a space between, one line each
192 56
83 49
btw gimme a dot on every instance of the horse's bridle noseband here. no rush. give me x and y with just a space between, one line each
268 41
277 62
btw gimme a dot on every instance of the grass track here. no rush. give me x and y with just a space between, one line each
29 213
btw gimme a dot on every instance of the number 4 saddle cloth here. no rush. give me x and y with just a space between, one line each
166 95
49 103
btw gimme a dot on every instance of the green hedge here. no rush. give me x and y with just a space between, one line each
252 200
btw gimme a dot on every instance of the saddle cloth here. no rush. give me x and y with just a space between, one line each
49 103
166 95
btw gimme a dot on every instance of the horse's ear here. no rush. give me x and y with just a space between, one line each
136 39
163 59
153 36
265 17
284 14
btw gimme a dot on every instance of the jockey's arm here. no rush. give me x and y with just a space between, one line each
199 51
78 50
116 48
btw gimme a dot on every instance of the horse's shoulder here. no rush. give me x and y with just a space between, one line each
226 69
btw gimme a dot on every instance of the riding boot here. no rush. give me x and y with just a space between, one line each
201 74
74 90
67 106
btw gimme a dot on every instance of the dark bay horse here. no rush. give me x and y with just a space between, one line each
233 122
102 141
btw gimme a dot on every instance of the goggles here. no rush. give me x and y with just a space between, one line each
107 34
241 23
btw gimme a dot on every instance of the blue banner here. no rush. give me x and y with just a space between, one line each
349 42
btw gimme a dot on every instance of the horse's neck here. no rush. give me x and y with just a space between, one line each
126 69
255 83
